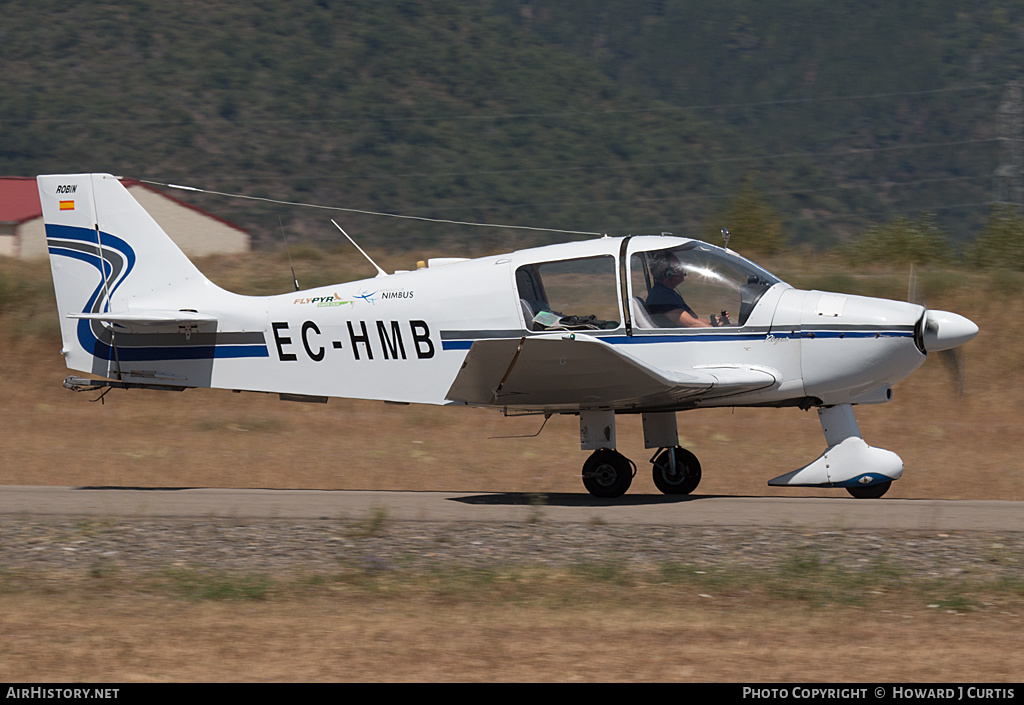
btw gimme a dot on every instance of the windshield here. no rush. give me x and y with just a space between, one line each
694 285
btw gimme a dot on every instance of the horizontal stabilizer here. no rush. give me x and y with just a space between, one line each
148 318
580 371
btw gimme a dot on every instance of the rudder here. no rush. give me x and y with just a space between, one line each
108 255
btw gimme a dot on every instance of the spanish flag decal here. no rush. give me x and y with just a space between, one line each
67 205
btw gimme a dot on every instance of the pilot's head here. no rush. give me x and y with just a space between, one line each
665 266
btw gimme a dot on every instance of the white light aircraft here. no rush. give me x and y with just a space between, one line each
593 329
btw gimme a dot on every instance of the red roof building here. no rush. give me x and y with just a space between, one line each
196 232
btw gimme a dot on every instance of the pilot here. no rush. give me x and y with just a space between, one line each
665 302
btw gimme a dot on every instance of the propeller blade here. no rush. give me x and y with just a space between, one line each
914 294
944 333
956 362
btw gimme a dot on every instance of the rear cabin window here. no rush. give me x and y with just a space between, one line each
575 294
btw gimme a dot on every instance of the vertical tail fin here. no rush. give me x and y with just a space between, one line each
108 256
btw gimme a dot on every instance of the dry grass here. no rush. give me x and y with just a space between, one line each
564 629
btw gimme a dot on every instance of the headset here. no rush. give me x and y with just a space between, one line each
663 268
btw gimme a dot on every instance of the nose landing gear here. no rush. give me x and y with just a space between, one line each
865 471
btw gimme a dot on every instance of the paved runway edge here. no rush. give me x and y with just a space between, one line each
638 510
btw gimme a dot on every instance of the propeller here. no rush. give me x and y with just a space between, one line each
943 331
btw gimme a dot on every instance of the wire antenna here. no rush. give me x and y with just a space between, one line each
365 212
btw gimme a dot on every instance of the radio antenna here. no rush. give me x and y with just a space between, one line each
380 272
295 279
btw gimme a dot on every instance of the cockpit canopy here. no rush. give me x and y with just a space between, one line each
706 279
585 292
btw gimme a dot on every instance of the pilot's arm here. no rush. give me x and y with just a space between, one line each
685 319
663 300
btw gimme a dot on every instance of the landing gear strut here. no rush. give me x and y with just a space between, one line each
676 471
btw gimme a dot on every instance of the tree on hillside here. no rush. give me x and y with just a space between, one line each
755 226
1000 245
903 241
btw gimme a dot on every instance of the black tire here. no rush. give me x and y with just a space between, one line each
686 477
607 474
870 491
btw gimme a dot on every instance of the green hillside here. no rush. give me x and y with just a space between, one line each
891 107
589 116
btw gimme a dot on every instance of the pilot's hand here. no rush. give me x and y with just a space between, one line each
722 320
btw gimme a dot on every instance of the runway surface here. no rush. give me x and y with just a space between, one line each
698 510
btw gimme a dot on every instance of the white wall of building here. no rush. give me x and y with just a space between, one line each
196 233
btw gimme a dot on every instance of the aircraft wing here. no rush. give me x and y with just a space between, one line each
582 371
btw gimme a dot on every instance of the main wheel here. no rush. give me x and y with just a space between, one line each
607 474
686 476
870 491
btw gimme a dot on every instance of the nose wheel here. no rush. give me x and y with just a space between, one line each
871 491
676 471
607 473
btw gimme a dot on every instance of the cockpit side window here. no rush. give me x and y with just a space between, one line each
694 286
576 294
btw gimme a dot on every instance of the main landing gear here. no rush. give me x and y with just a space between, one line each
676 471
608 474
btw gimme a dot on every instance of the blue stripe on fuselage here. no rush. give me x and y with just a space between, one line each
465 344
